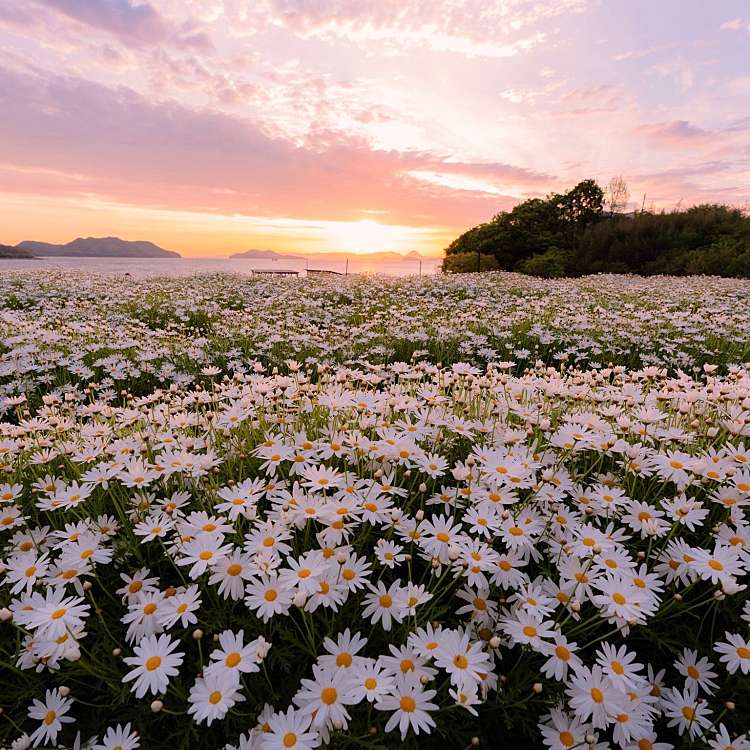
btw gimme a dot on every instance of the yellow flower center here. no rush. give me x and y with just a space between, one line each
407 704
328 696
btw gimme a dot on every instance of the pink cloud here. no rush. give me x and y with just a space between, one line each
476 28
677 133
123 146
736 24
132 22
592 100
128 20
702 182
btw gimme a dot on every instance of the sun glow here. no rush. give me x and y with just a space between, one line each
368 236
199 233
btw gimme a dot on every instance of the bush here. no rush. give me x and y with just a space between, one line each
551 264
467 262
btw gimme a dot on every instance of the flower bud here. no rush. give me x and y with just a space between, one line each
64 690
537 687
156 706
197 634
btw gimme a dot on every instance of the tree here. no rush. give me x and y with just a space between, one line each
580 207
617 195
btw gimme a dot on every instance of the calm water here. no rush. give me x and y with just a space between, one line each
190 266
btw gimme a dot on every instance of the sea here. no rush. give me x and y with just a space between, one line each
145 267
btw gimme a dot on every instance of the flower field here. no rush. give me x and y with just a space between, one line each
272 513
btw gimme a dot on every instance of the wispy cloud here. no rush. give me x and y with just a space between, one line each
677 133
133 22
475 28
736 24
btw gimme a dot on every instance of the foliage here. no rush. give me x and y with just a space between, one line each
711 239
550 264
467 262
705 239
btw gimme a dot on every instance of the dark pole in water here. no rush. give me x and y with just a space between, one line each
346 271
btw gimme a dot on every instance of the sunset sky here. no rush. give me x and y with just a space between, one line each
212 126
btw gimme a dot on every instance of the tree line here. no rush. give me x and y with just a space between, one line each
586 230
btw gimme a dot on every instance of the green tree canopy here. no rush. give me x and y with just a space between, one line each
571 234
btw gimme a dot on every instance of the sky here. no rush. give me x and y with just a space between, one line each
215 126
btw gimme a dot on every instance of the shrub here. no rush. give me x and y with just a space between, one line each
467 262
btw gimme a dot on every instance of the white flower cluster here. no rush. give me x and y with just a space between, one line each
423 543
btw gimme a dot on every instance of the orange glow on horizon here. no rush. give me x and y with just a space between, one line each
197 234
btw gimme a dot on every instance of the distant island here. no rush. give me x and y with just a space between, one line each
97 247
266 255
7 252
114 247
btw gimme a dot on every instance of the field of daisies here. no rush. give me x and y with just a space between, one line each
480 511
